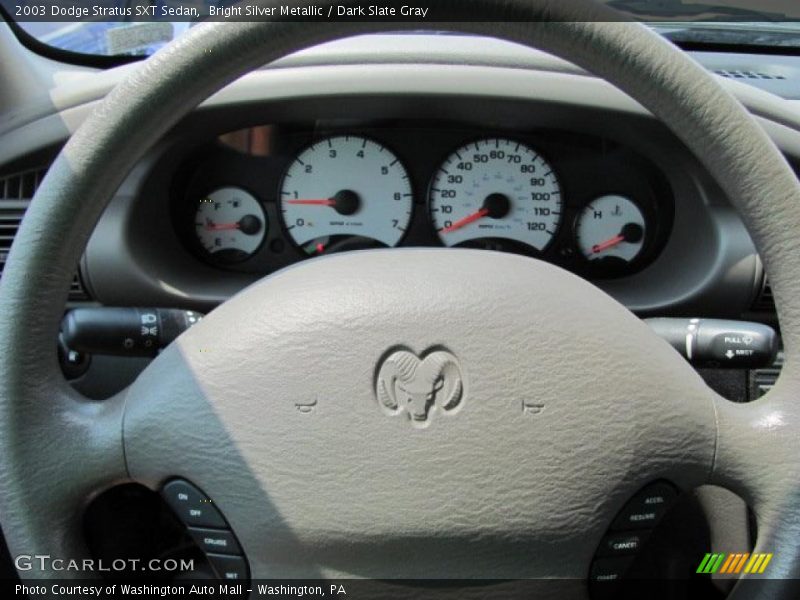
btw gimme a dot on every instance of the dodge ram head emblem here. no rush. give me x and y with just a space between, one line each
408 384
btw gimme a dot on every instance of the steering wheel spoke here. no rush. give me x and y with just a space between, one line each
65 449
758 456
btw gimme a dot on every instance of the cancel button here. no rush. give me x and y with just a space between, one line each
215 540
622 544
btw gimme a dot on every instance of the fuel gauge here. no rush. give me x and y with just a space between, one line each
230 224
611 229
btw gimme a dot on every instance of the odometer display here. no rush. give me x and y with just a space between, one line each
496 188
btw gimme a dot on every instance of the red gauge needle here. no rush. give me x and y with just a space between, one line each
221 226
466 220
323 202
596 249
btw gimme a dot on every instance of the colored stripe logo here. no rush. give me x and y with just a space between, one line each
734 563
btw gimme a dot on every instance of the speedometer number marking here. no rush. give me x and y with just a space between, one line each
496 188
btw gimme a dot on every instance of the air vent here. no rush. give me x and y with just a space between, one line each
76 290
736 74
776 74
762 380
10 217
21 186
16 191
764 303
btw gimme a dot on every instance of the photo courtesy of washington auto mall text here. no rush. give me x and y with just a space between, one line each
274 590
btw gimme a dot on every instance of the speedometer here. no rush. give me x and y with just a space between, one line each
345 187
496 188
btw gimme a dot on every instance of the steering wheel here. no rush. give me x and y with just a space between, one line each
387 477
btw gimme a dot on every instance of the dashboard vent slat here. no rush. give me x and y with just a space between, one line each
10 218
747 74
764 302
21 185
762 380
76 290
16 191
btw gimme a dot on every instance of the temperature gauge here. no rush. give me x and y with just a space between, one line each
230 224
611 228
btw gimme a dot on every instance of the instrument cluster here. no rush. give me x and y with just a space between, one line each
260 199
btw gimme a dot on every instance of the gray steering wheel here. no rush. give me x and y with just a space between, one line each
353 488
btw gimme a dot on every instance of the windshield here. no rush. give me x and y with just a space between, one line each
139 28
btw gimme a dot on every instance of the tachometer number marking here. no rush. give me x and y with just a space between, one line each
346 186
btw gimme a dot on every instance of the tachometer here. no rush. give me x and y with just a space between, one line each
346 186
496 188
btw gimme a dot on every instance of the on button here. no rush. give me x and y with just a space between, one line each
191 505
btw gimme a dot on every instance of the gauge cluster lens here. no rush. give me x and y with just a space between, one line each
230 224
345 186
496 188
611 228
310 194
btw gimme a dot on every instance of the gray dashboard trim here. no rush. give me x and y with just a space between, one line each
55 119
72 87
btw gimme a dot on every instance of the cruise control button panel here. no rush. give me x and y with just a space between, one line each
208 528
627 535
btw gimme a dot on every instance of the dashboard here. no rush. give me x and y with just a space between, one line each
500 148
492 146
240 190
264 197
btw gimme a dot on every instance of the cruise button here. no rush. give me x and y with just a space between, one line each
215 540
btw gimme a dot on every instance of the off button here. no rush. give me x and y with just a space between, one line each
192 506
